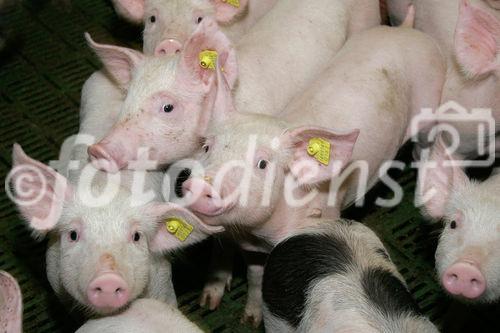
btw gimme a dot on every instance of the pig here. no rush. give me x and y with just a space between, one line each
379 80
103 256
469 34
337 277
168 24
11 304
144 315
468 252
169 99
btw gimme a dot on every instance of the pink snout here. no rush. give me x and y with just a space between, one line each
168 47
102 159
206 200
108 291
465 279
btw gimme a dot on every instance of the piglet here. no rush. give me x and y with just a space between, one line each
337 278
468 252
168 24
360 110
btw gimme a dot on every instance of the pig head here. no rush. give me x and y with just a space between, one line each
169 100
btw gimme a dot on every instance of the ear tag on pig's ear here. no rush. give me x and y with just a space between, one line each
234 3
208 59
179 228
320 149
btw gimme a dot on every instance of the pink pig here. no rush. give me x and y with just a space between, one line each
377 81
468 252
168 24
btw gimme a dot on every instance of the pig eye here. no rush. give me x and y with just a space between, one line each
262 164
453 225
167 108
206 148
73 235
199 19
137 236
152 19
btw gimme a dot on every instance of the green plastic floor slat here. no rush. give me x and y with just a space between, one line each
41 77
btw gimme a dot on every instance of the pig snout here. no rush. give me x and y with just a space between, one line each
169 46
106 159
108 291
465 279
206 200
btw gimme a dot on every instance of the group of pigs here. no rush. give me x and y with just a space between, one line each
318 85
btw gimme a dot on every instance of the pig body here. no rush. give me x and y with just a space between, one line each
144 315
468 252
340 278
469 34
368 87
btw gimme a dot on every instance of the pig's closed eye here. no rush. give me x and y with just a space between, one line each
262 164
152 19
73 236
136 236
167 108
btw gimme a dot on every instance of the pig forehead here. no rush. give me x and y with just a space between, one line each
176 7
155 74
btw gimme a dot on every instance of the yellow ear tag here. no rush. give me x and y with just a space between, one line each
179 228
234 3
208 59
320 149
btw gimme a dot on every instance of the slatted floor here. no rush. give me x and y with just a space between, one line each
41 74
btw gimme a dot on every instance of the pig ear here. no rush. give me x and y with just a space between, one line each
39 191
208 37
118 61
11 309
177 227
439 175
228 10
223 104
314 165
131 10
477 37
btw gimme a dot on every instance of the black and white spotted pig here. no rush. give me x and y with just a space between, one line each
337 278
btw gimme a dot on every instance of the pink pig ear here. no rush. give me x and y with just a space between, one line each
131 10
40 192
207 37
440 176
118 61
477 37
228 10
311 166
11 309
177 227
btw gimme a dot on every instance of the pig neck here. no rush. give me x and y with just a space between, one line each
287 220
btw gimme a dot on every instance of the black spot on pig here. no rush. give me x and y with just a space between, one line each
295 266
387 293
